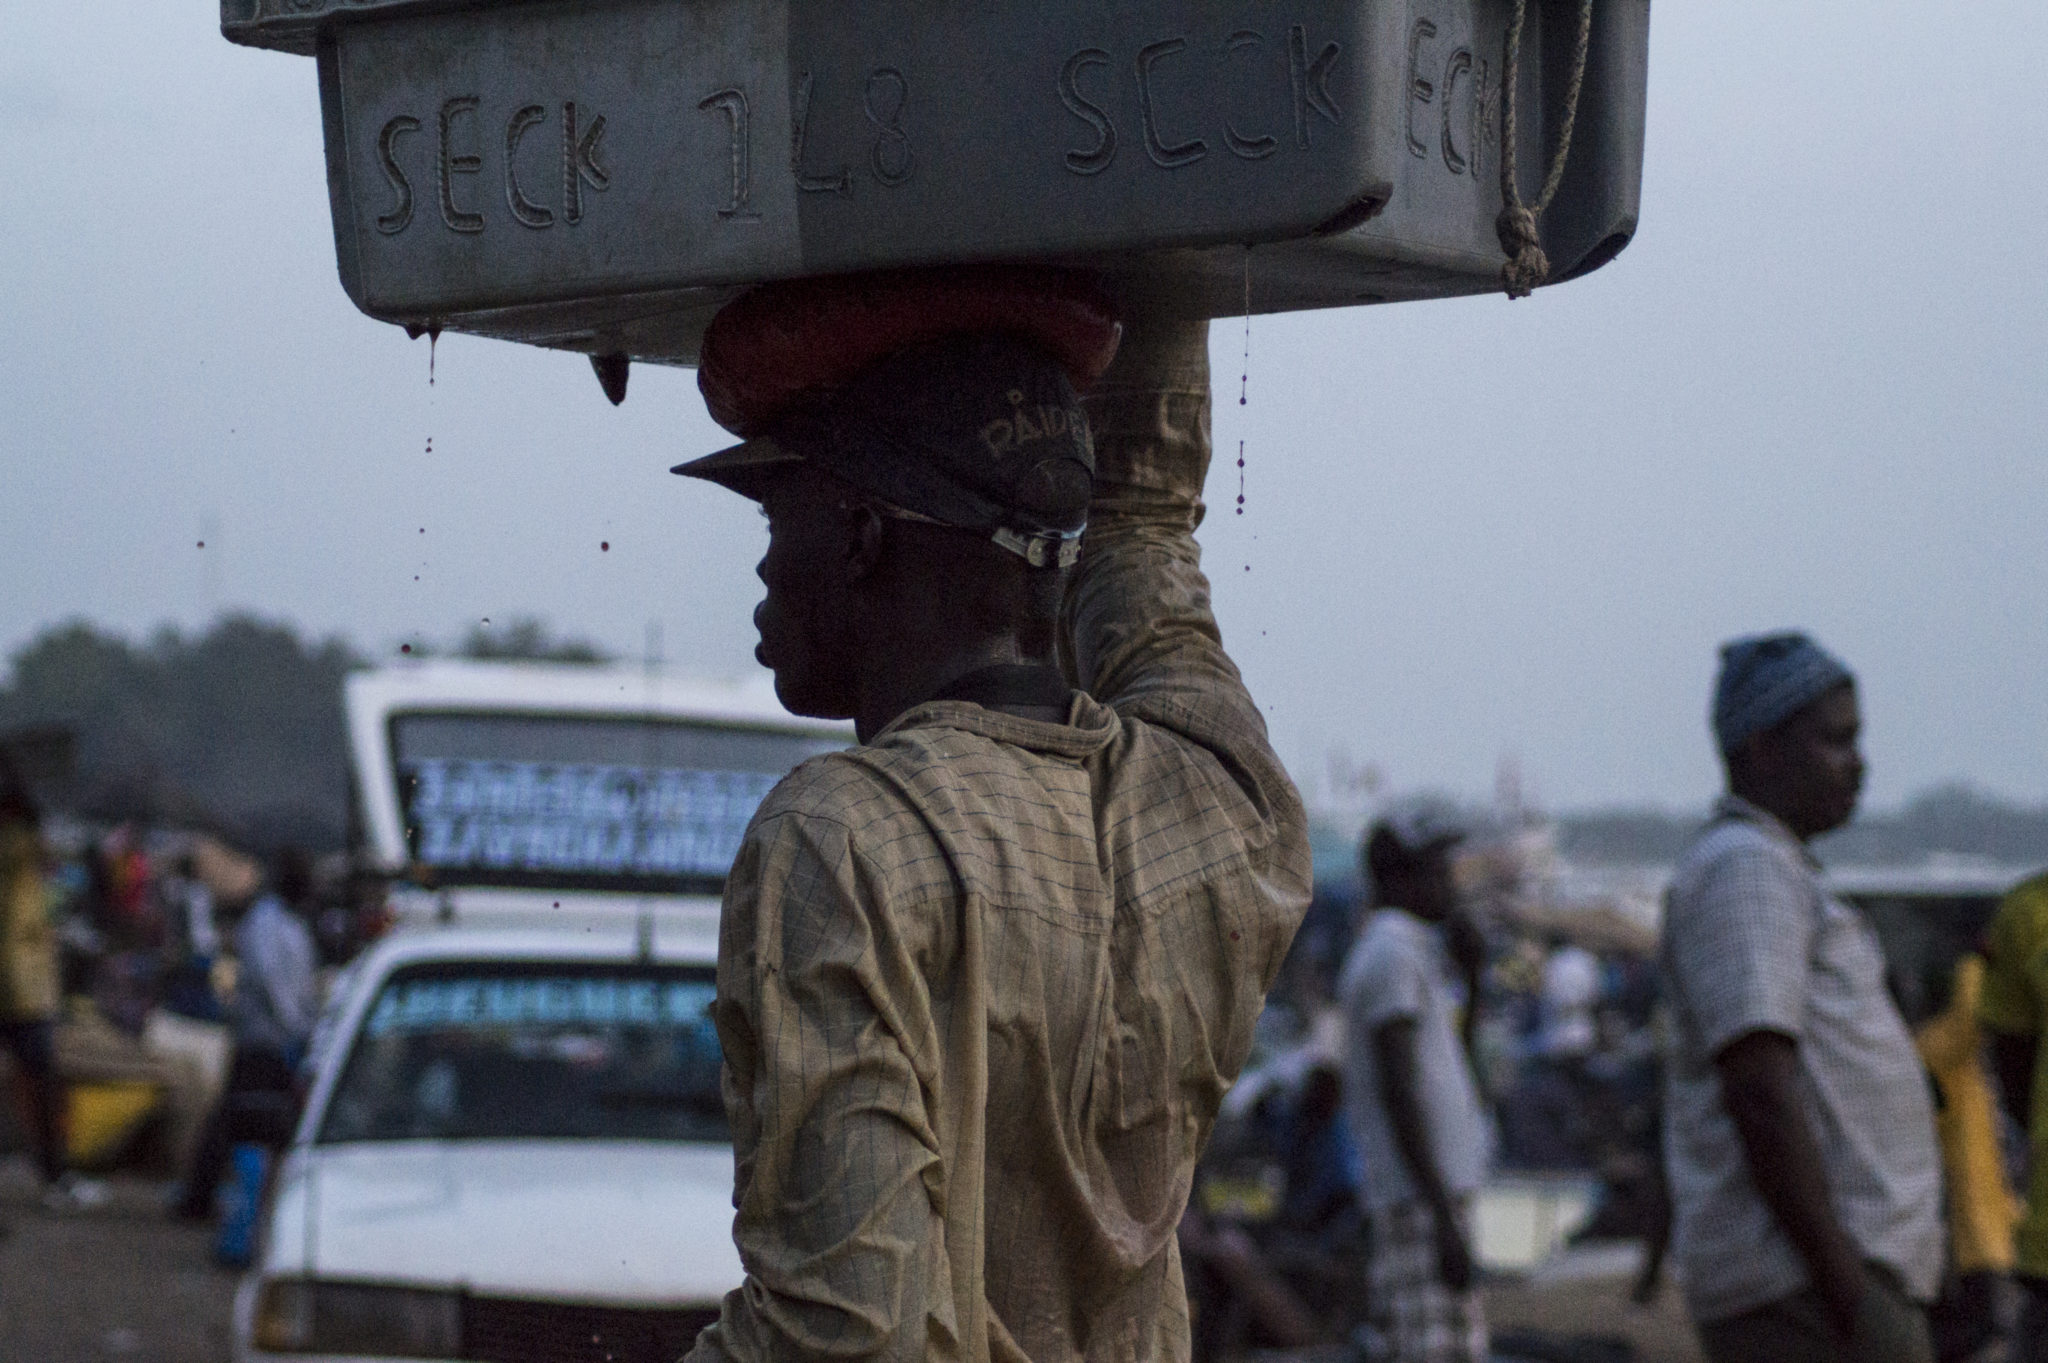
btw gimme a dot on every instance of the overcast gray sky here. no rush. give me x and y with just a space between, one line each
1811 393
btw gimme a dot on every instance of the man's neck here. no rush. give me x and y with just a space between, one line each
1761 800
911 672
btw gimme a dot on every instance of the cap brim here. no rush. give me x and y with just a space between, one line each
744 468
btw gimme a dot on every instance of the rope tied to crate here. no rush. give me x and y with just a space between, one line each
1527 266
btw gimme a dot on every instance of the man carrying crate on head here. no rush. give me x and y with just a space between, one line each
984 979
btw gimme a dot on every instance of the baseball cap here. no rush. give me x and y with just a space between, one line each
981 431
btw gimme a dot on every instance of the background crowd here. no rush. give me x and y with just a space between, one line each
1815 1102
158 989
1433 1034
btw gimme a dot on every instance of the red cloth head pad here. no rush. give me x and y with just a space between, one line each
792 344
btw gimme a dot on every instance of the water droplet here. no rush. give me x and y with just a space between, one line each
433 342
423 530
487 619
604 546
202 544
430 444
405 648
1244 380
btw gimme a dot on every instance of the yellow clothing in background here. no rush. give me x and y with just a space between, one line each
2016 1002
28 943
1981 1208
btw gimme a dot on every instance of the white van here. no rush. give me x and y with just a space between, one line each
514 1147
564 795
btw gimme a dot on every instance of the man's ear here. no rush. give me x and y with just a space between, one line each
1755 768
863 541
1752 756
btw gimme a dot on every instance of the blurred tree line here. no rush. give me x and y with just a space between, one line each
238 730
1954 819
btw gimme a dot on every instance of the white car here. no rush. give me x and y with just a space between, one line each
514 1149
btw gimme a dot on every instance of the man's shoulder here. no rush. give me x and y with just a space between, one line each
843 787
1726 835
884 803
264 918
2015 986
1388 937
2027 903
1732 848
902 771
2021 921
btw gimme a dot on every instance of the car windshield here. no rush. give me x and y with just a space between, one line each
530 1051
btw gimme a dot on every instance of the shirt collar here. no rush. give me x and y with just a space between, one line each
1090 727
1735 807
1434 930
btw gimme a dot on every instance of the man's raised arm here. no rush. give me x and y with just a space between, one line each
1137 629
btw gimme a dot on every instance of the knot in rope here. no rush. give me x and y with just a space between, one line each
1526 265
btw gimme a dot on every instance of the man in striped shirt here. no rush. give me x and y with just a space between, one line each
1805 1179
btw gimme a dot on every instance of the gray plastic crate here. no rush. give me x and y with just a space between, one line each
601 175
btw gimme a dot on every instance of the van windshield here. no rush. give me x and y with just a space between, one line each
533 1051
588 802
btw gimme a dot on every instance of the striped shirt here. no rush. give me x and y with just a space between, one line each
984 981
1753 942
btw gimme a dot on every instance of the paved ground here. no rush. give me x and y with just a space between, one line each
124 1284
118 1284
1597 1306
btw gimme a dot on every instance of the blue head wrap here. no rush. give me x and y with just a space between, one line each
1766 679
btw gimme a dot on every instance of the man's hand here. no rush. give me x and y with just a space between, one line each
1453 1255
1888 1328
1760 1086
1401 1094
1843 1297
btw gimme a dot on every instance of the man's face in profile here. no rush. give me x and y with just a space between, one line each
1815 762
806 634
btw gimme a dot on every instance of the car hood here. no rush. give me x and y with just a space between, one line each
625 1223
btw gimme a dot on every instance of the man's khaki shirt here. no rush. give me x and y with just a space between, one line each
983 982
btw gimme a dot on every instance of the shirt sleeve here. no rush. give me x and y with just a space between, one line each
1741 945
837 1163
1388 984
2017 940
294 989
258 1003
1137 630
